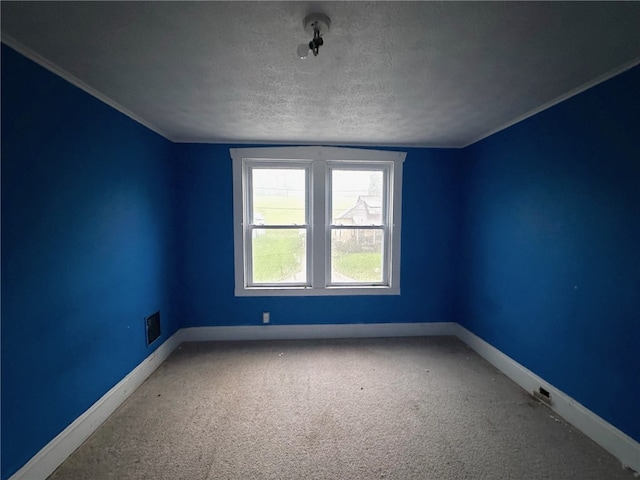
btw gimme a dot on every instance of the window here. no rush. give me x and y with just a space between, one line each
316 221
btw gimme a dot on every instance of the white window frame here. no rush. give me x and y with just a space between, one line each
318 160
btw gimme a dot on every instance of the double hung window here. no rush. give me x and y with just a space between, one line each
317 221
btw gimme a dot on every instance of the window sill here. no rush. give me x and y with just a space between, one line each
315 292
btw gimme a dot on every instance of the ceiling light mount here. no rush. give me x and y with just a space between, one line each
314 24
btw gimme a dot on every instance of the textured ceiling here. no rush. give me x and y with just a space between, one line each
390 73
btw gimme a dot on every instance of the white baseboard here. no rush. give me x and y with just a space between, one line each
623 447
52 455
297 332
57 450
626 449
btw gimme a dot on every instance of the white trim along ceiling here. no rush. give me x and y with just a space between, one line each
431 74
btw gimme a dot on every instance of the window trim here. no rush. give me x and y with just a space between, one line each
318 273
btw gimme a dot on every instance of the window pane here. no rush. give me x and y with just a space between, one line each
357 255
278 196
356 197
279 256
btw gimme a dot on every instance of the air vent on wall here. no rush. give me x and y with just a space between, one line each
153 327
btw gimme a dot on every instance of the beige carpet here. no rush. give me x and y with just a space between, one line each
408 408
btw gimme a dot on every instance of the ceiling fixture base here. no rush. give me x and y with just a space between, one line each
314 24
317 21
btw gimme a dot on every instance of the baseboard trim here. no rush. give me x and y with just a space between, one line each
64 444
298 332
623 447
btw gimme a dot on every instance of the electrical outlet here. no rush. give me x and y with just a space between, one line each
266 317
543 395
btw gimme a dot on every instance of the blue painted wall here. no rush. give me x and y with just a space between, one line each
552 247
429 229
87 252
528 238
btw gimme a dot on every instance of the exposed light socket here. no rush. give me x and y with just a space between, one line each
543 396
266 317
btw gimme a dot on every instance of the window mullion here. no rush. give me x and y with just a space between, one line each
318 223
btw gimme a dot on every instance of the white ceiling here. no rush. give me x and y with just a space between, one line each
390 73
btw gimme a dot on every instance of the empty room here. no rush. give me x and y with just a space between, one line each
324 240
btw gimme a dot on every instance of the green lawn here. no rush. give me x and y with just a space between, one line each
364 267
284 210
280 210
277 254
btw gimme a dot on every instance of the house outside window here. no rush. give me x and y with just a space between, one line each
317 221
